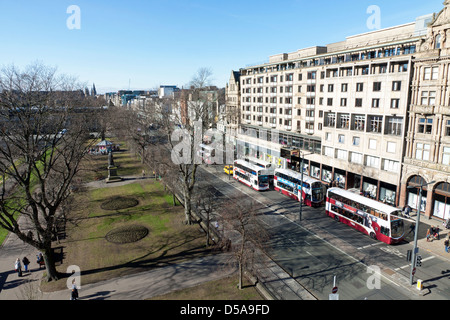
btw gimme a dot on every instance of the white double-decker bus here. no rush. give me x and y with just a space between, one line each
288 182
376 219
263 164
251 175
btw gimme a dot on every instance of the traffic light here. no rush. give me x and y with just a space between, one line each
418 261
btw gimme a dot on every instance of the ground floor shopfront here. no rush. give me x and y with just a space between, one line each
333 176
434 197
283 157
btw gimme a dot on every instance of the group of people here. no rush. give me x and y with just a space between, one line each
18 265
39 260
433 234
25 262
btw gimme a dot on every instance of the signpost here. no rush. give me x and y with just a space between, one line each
334 295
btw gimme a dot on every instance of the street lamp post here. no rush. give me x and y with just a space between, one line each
301 189
301 185
415 250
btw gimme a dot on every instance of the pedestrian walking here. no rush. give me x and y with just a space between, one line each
446 243
74 292
40 260
407 211
26 262
18 267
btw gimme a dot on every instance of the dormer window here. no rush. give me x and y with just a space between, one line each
438 42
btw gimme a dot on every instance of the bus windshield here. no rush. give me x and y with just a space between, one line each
397 228
263 179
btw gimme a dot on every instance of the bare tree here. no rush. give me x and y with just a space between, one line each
206 203
192 113
42 143
240 214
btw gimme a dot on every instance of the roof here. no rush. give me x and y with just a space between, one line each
104 143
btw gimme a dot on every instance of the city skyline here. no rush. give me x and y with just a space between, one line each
145 44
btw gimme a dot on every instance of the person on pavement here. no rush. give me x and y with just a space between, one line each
18 267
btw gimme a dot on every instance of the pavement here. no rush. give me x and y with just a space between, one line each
272 281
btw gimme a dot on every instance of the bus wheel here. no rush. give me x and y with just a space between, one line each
373 236
336 218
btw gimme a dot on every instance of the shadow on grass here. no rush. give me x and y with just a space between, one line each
148 261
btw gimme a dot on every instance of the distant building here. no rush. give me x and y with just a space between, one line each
167 91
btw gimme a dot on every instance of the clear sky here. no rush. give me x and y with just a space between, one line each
147 43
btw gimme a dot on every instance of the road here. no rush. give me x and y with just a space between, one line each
317 249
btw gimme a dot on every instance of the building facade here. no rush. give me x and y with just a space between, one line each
427 154
353 111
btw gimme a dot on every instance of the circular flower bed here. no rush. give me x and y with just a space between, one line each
118 203
127 234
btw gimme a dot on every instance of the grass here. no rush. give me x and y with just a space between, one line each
169 240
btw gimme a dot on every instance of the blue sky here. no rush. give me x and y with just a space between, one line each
147 43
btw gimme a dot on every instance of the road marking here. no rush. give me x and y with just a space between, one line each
371 245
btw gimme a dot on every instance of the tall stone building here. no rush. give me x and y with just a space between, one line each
369 113
427 154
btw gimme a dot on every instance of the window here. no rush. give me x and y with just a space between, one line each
447 128
394 126
427 73
375 103
343 102
311 88
344 87
328 136
373 162
342 154
358 102
356 158
329 152
428 98
446 156
372 144
376 123
311 75
344 121
396 85
356 141
395 103
330 88
360 123
423 151
377 86
425 125
438 42
330 102
341 138
359 87
391 146
390 165
330 120
434 73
